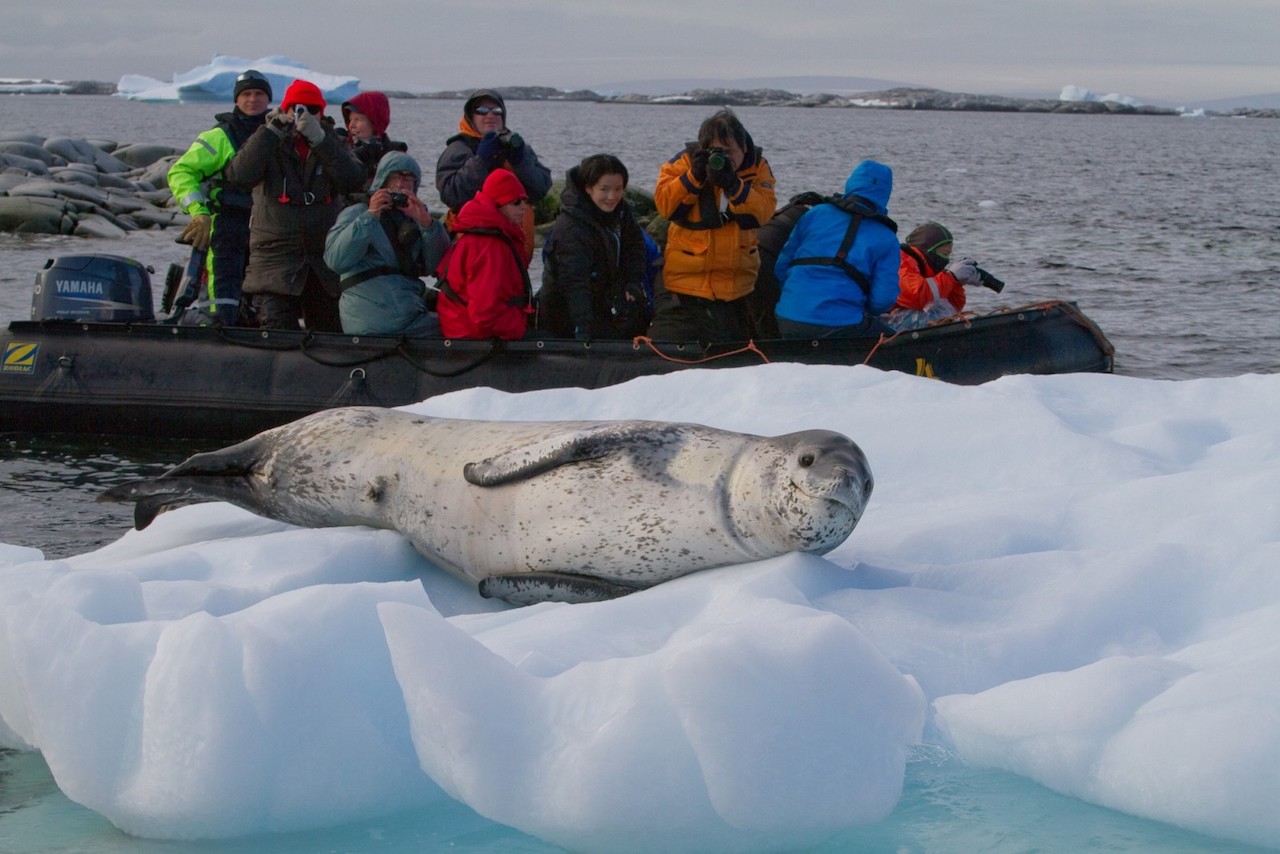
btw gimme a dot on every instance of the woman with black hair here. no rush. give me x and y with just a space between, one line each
592 278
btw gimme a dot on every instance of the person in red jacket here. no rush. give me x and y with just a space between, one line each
484 289
930 284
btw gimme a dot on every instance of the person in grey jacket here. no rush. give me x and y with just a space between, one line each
299 171
381 251
484 143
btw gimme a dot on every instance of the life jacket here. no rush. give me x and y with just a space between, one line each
238 128
859 209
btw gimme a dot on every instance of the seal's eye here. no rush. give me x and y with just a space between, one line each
806 460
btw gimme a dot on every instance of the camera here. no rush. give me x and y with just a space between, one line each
398 199
990 281
718 160
299 110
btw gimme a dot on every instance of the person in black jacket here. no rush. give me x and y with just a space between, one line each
592 278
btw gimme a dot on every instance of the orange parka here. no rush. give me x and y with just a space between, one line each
711 250
919 284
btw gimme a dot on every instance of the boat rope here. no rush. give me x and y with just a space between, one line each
749 347
884 339
494 348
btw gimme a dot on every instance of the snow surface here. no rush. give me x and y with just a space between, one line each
1072 578
216 81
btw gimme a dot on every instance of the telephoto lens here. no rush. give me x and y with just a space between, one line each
990 281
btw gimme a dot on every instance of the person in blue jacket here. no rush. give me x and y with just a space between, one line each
839 267
381 251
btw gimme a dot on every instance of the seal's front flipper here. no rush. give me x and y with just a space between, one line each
573 447
529 588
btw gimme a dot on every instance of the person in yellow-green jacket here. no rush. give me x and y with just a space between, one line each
715 194
220 215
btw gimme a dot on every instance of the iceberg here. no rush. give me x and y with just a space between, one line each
216 81
1078 93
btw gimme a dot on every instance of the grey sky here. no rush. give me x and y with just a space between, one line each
1178 51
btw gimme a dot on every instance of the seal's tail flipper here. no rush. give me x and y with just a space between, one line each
155 496
214 476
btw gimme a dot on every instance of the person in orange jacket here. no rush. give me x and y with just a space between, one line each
714 194
931 284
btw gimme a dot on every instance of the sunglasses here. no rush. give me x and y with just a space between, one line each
519 202
484 111
251 75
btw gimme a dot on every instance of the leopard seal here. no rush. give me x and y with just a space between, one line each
536 511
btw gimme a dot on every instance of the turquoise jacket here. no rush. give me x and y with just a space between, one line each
390 303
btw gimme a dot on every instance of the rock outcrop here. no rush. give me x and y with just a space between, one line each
60 185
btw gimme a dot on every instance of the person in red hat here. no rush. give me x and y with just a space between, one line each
299 171
484 289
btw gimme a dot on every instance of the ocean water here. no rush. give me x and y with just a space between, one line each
1166 231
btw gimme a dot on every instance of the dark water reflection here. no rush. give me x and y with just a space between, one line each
48 487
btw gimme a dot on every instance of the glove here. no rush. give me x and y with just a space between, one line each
490 150
514 145
966 271
725 179
197 232
280 122
699 165
310 128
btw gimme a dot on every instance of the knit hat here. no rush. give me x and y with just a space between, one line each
304 93
934 240
251 79
503 187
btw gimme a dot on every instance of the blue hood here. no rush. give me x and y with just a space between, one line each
396 161
872 181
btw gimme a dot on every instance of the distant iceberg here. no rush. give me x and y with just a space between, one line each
1077 93
216 81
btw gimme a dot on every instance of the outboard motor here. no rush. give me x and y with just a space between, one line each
93 288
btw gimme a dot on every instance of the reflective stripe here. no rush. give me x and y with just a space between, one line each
933 287
207 147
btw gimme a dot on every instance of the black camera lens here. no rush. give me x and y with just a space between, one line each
399 200
717 159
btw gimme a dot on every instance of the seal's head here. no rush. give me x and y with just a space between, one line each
813 488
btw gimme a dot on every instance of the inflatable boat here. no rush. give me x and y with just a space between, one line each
98 362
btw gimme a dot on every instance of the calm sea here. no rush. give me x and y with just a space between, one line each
1166 231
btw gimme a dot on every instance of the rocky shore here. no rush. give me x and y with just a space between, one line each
60 185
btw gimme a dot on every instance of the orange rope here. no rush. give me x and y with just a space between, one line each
883 340
750 347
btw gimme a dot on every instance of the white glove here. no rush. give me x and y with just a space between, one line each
310 128
966 271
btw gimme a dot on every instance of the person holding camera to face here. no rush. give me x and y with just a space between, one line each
484 143
714 194
381 251
298 170
932 283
